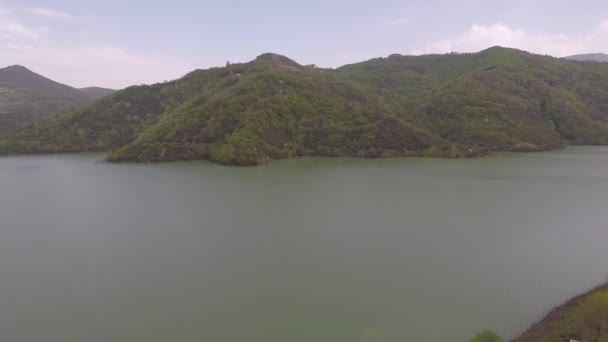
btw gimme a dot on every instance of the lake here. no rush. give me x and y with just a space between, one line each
312 249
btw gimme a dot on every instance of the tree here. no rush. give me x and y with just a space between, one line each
486 336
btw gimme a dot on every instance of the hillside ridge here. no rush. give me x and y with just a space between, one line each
26 97
454 105
590 57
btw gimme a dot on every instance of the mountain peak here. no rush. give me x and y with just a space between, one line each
18 74
16 68
502 49
276 59
28 97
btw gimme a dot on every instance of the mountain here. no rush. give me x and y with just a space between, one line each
498 99
454 105
591 57
95 93
26 97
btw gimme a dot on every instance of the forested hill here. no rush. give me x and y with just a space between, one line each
496 98
26 97
246 114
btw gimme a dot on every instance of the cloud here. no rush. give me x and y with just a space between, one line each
16 47
398 21
479 37
78 62
94 65
4 11
13 30
48 13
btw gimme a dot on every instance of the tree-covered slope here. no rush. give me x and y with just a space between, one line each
272 107
106 124
242 114
495 99
26 97
584 318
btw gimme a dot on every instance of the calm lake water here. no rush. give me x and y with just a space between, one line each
301 250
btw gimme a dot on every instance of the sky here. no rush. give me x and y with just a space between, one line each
118 43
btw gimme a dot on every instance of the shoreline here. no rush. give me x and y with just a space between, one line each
575 319
413 154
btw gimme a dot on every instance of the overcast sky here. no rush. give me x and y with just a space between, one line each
116 43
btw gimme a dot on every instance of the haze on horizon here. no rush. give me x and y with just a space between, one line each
118 43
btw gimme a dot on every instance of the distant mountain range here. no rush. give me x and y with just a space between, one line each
454 105
26 97
95 93
591 57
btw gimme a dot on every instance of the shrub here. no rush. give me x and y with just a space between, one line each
486 336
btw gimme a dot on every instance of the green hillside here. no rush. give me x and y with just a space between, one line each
584 318
245 114
26 97
497 98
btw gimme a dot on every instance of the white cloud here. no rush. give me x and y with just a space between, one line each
93 65
4 11
16 47
78 62
480 37
13 30
398 21
48 13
